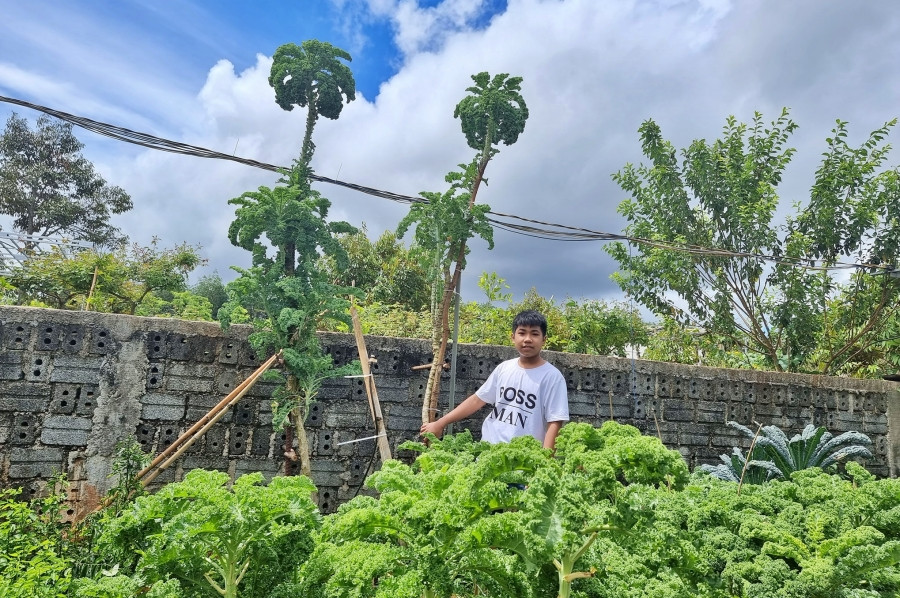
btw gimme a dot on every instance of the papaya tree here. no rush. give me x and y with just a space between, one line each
385 269
494 112
286 291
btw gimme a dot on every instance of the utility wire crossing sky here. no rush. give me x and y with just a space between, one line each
593 71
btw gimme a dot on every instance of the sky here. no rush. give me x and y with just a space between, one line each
593 70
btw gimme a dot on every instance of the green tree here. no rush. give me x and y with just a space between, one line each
211 287
575 326
671 341
860 330
386 271
120 281
289 293
724 196
494 112
49 188
600 328
183 305
587 326
486 323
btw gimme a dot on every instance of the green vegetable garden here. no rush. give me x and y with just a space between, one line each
612 514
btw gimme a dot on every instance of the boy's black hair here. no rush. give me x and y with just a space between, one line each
530 317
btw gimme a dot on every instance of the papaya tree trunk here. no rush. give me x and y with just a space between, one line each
287 449
302 441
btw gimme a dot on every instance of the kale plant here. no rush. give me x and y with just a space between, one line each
469 519
774 456
215 540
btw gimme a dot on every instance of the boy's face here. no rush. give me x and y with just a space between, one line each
529 340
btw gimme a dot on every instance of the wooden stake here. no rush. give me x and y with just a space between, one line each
427 366
216 413
747 460
384 448
87 301
203 430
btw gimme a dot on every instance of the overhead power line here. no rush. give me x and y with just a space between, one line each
512 223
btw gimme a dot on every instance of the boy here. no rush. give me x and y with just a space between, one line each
528 394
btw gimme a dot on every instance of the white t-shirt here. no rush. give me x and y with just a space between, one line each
523 401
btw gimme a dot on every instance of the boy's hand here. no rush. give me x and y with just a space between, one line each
434 428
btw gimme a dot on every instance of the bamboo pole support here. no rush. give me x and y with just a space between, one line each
427 366
221 407
384 448
235 395
203 425
87 301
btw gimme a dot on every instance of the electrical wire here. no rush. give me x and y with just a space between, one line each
522 226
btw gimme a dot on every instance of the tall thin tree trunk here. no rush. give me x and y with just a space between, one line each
439 350
298 414
306 151
288 448
429 411
302 442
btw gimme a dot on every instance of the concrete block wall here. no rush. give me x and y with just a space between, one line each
72 384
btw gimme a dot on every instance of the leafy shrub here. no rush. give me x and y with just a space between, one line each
123 586
614 514
632 457
210 537
33 561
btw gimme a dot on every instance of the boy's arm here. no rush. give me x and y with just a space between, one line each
552 432
462 411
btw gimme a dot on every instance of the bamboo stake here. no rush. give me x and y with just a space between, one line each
747 460
219 411
427 366
384 448
222 405
87 301
237 395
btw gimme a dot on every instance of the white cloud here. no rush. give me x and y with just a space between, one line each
593 71
416 28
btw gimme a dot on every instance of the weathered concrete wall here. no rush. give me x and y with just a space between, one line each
72 384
